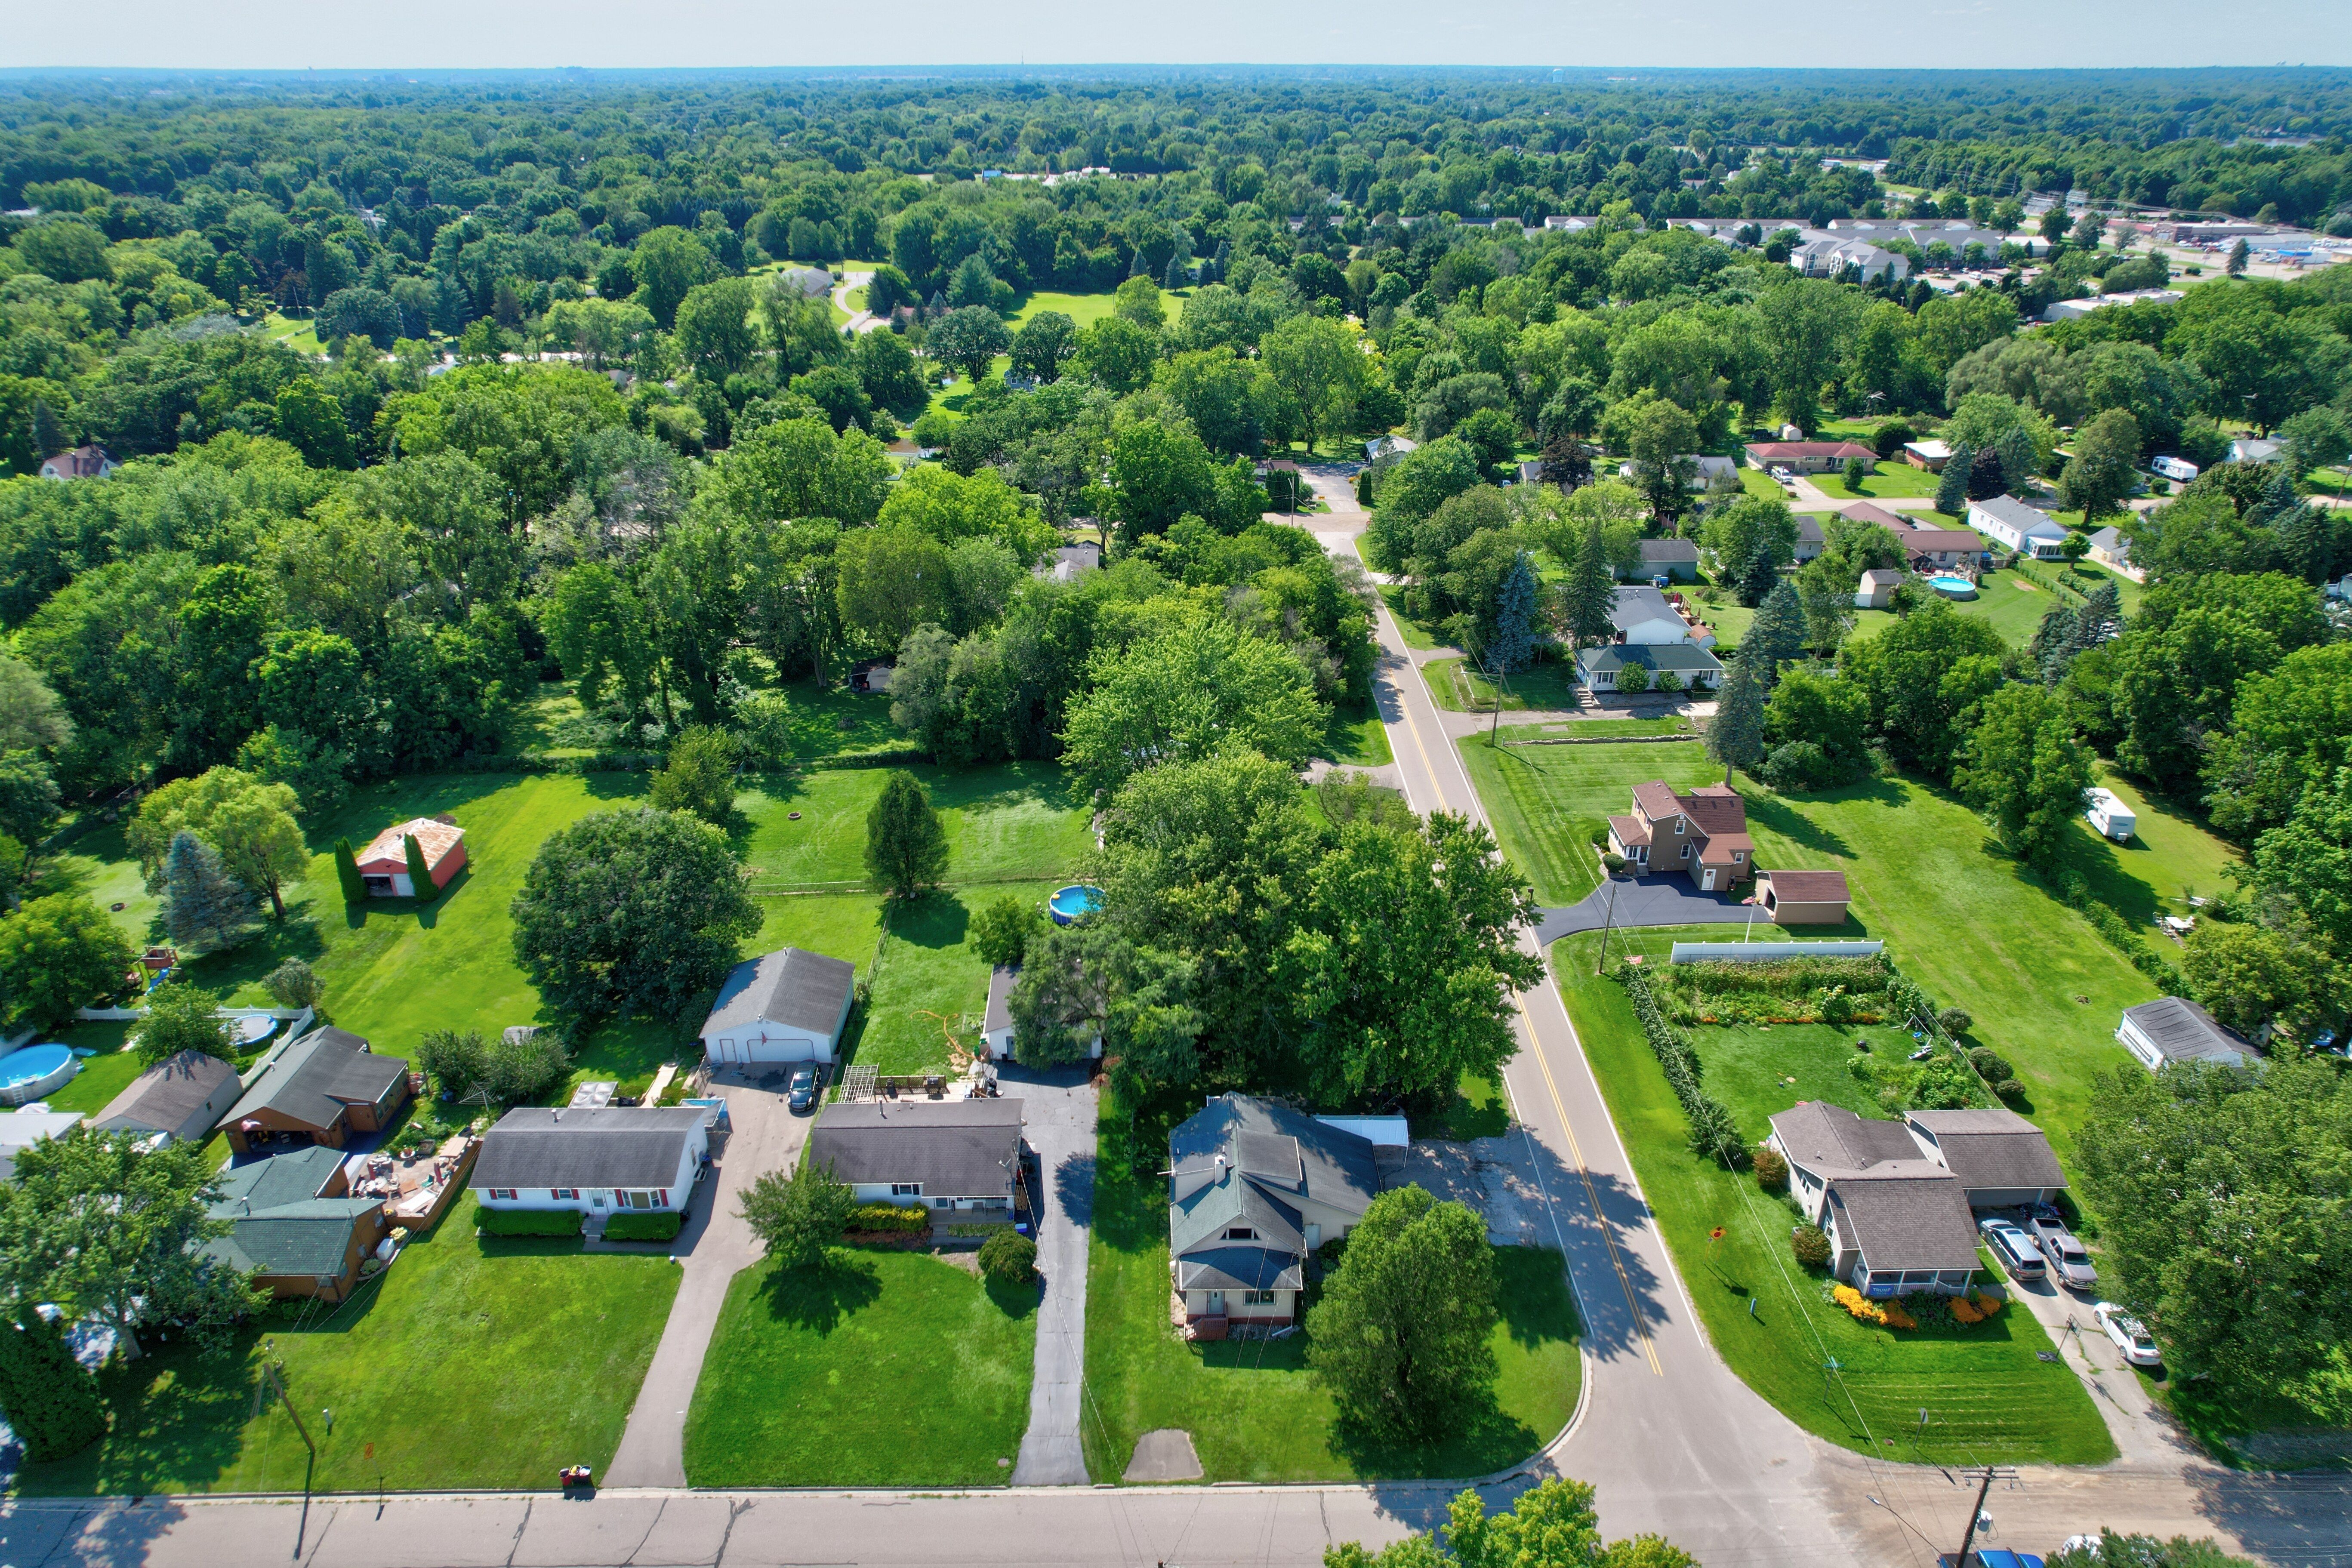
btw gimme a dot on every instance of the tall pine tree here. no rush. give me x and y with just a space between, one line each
201 903
1775 635
48 1397
347 872
1952 488
1513 643
1590 594
1735 737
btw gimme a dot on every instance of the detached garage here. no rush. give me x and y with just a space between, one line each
788 1006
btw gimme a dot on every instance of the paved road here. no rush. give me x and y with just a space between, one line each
1666 899
860 321
715 1246
1058 1108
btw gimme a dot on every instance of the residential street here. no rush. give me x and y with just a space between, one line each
1059 1112
716 1246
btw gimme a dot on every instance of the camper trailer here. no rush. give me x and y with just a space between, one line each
2109 815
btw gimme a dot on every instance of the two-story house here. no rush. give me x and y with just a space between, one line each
1703 834
1254 1188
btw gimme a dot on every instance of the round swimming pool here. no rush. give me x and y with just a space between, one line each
1069 903
30 1074
1952 587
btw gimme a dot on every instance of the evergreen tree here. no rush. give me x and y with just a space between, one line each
48 436
347 872
1176 276
1952 488
2239 254
1988 476
2021 460
1777 634
201 900
1735 737
1513 643
1763 570
1589 596
420 874
2054 646
48 1397
906 846
2100 619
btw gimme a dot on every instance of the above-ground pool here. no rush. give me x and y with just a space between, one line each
30 1074
1069 903
1952 587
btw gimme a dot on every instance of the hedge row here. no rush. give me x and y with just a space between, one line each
889 1217
897 757
527 1222
2122 935
643 1226
1712 1132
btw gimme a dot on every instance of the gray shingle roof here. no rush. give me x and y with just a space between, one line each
315 1076
1668 549
999 1015
1918 1222
1638 604
616 1146
2014 512
1242 1162
2183 1031
791 987
1679 657
1831 1140
1991 1147
297 1177
168 1097
955 1148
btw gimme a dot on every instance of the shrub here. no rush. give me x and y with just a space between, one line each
527 1222
1964 1312
897 1217
1895 1316
294 984
1634 679
1810 1246
2009 1089
1613 861
1955 1022
1798 766
644 1227
1009 1258
1859 1306
1988 1062
1771 1171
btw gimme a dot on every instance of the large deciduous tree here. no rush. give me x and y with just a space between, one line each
1399 1337
631 908
906 843
798 1213
1187 693
58 954
2023 766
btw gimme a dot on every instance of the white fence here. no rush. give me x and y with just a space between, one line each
1758 951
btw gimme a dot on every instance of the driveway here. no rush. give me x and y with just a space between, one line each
1057 1110
1668 900
2144 1433
715 1247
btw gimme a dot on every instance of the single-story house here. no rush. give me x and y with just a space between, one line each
22 1129
1675 557
2002 1161
1382 450
2171 1030
996 1022
1898 1221
1254 1186
2252 449
1877 589
1809 456
78 463
182 1096
1704 471
788 1006
1070 562
1644 615
294 1225
2013 525
1810 539
922 1153
598 1161
1871 511
1925 548
2110 547
324 1087
1599 667
1930 455
1802 897
383 863
1702 834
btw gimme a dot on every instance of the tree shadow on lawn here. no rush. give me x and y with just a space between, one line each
1015 1301
178 1420
819 1298
1478 1438
270 943
938 920
1000 785
1773 812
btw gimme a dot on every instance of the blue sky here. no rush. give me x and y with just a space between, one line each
296 34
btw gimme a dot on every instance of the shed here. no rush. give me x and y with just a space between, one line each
790 1005
1930 455
1803 898
1877 589
383 863
182 1096
24 1128
2173 1030
922 1153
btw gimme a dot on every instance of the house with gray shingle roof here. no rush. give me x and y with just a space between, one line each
1254 1186
597 1160
788 1006
182 1096
1898 1221
321 1088
294 1226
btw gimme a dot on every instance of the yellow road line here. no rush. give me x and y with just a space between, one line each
1560 1107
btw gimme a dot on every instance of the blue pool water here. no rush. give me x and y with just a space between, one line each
29 1074
1069 903
1953 588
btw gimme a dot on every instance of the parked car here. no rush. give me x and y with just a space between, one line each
2139 1346
802 1091
2019 1257
2067 1260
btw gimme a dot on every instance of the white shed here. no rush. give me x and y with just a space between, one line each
788 1006
996 1024
2108 815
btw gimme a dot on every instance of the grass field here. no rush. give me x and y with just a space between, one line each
1756 482
2169 855
1988 1397
1416 636
1897 479
2011 604
1356 738
1602 728
1547 802
1457 686
550 1339
1083 309
1254 1412
886 1368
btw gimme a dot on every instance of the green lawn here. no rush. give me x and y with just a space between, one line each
2169 854
1547 803
1016 821
1458 686
1085 309
300 336
1756 482
1898 480
886 1368
1416 636
103 1076
2012 605
1254 1412
1601 729
476 1363
1356 738
1726 616
1988 1397
931 985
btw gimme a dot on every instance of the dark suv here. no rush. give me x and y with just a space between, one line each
802 1093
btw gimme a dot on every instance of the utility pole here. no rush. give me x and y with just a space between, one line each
1607 919
272 1384
1984 1484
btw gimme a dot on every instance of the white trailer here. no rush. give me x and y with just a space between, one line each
2107 814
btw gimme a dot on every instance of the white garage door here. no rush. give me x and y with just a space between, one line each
773 1049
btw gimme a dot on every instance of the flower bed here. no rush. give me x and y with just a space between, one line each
1935 1311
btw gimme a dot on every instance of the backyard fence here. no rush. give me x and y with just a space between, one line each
1759 951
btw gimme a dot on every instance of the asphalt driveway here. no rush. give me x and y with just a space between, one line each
1058 1112
1668 900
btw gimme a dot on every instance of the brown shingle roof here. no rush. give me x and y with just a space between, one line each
1991 1147
1809 886
1913 1222
1630 830
1870 512
435 838
1655 800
